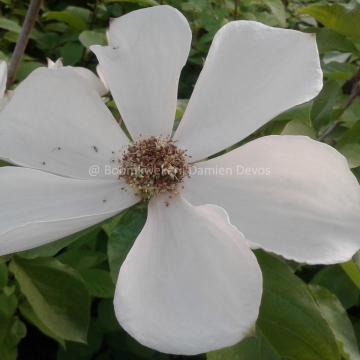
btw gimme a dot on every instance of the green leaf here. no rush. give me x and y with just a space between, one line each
8 351
89 37
81 259
57 295
352 154
352 271
4 259
336 17
12 330
9 25
351 136
47 41
289 318
75 351
337 318
298 127
17 331
248 349
350 117
336 280
98 282
329 40
28 313
339 71
71 53
25 68
138 2
277 8
107 318
321 112
80 12
122 235
53 248
8 305
300 112
3 275
70 16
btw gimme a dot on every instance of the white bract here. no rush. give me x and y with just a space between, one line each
190 284
3 80
92 80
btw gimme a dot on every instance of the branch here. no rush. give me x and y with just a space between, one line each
19 50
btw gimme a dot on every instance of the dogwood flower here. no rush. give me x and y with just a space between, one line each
97 82
3 80
190 283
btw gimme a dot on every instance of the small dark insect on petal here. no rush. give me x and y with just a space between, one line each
95 148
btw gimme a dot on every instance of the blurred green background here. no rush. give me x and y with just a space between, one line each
56 301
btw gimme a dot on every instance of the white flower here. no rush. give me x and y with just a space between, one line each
3 79
92 80
190 284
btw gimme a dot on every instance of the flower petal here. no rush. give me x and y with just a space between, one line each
54 122
147 50
253 72
91 79
38 207
3 78
57 64
190 284
289 195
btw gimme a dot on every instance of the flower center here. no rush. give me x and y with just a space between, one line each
154 165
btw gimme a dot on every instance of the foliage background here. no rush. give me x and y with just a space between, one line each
56 301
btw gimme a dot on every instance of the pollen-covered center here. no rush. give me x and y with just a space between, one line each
154 165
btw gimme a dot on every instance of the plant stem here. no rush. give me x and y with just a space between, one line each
21 44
